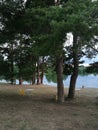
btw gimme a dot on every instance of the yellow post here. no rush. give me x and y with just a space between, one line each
22 92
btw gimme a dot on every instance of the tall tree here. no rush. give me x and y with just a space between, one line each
51 37
80 23
58 37
10 12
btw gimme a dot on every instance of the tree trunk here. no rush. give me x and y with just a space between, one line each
20 75
42 70
12 72
60 86
33 78
42 75
38 73
12 64
20 81
74 75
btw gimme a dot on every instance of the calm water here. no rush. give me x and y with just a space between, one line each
90 81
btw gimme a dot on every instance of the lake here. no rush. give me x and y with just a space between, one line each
90 81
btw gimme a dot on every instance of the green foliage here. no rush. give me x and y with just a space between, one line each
39 28
4 67
11 14
68 68
78 17
82 70
39 3
93 68
51 75
5 70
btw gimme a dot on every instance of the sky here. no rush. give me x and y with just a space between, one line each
88 60
84 58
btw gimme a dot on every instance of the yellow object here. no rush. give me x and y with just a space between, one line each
22 92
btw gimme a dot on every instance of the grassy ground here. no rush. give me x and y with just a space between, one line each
38 110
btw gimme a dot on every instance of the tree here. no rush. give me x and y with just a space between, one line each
80 23
93 68
10 13
53 34
58 37
4 66
40 3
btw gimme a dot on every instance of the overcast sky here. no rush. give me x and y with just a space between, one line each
87 60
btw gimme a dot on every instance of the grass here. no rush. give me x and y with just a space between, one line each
38 110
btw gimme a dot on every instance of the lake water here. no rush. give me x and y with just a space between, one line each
90 81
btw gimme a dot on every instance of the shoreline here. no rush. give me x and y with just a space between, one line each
46 85
88 81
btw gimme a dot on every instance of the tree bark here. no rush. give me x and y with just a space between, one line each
12 72
42 75
38 73
42 70
20 81
20 75
60 86
74 75
33 78
12 64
